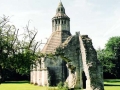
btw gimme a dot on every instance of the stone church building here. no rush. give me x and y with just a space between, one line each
77 48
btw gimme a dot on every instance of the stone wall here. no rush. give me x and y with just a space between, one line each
80 51
91 65
57 71
39 77
71 50
81 55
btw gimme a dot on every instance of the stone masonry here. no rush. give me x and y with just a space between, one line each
83 56
83 64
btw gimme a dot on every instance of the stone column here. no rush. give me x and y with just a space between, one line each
34 75
31 76
38 74
44 77
39 78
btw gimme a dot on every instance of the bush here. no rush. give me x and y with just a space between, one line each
61 86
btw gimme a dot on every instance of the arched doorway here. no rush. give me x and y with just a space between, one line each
84 80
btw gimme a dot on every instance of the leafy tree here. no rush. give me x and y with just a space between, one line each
106 60
17 54
113 48
110 56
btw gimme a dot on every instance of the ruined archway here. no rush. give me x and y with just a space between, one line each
84 78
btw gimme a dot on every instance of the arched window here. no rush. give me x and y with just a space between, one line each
58 9
65 22
61 9
62 21
68 23
53 23
56 21
59 21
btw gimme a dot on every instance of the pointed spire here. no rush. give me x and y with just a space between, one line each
60 11
60 8
60 4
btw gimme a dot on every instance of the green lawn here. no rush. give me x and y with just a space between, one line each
112 84
20 86
109 84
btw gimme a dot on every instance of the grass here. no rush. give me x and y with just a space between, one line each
22 85
112 84
109 84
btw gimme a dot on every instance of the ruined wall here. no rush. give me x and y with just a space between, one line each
57 71
71 50
82 55
91 65
80 51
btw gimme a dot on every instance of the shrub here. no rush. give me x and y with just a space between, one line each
61 86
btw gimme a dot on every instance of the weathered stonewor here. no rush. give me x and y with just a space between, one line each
71 50
83 56
91 65
71 79
77 49
56 69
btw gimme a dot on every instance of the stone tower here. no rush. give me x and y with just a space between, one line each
51 71
60 30
61 22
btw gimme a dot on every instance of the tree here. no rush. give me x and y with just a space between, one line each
113 48
17 54
110 56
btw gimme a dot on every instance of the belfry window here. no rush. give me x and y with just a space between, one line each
56 21
58 9
61 9
59 21
53 23
64 22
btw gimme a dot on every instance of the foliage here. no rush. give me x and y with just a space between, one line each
110 56
61 86
17 52
71 67
59 52
113 50
105 60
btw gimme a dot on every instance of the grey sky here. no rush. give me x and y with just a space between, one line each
100 19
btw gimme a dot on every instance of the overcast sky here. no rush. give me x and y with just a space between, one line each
99 19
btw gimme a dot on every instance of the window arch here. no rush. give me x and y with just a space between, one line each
62 21
55 21
59 21
65 22
58 9
61 9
